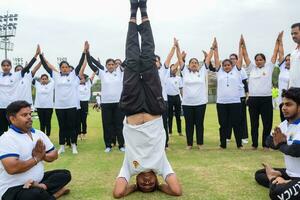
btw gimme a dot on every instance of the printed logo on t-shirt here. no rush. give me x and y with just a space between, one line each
135 164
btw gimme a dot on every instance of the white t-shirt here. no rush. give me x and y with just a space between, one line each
292 132
85 91
66 90
229 86
8 87
145 150
195 87
173 84
283 80
14 143
162 72
111 85
24 89
244 76
44 94
295 69
260 80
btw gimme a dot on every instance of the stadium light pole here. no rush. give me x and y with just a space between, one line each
8 27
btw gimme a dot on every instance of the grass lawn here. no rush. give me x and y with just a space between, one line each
205 174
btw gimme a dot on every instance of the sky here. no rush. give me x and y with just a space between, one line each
62 26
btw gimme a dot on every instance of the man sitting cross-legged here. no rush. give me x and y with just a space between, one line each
22 152
143 104
284 183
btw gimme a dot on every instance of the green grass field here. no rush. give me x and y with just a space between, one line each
204 174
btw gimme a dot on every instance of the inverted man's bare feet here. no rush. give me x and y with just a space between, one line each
271 173
61 192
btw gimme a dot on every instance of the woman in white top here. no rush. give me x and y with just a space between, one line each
194 97
111 87
228 96
84 97
260 92
8 87
173 84
66 97
44 89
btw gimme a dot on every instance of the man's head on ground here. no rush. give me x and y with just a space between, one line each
19 115
296 33
146 181
291 103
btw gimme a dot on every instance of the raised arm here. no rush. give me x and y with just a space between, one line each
178 53
276 50
245 52
81 72
209 56
240 58
281 49
216 54
92 77
35 69
80 64
27 67
48 67
170 55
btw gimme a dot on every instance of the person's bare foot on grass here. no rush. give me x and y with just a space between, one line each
271 173
63 191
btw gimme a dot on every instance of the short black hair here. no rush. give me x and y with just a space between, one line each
194 59
110 60
158 57
18 66
296 25
44 75
14 107
235 55
260 54
63 62
226 60
292 93
5 61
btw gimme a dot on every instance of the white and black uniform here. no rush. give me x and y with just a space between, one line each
291 151
260 100
24 88
194 100
283 84
229 85
84 97
295 69
173 87
44 104
111 88
8 88
66 101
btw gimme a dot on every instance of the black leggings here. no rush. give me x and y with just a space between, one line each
194 116
290 191
45 115
165 121
142 91
84 110
67 122
260 106
229 115
54 180
174 103
3 121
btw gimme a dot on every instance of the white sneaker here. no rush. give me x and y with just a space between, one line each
227 140
122 149
245 141
74 149
61 149
107 150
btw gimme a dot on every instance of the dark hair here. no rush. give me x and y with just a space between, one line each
296 25
5 61
226 60
194 59
235 55
110 60
155 187
18 66
118 59
292 93
289 55
158 57
45 76
63 62
260 54
14 107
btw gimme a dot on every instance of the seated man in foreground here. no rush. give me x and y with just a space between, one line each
143 104
284 183
22 152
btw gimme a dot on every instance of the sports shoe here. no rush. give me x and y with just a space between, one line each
74 149
122 149
61 149
227 140
245 141
107 150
